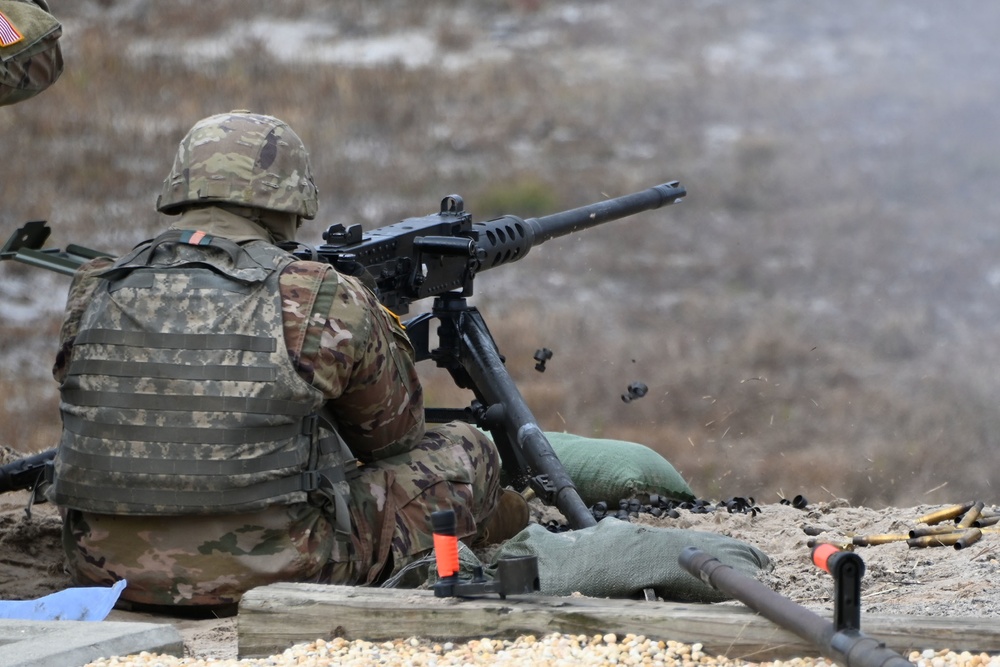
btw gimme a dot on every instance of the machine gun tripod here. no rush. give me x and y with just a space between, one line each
469 353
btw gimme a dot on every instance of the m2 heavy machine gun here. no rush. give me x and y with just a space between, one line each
436 256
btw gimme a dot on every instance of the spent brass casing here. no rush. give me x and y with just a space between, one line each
946 540
945 514
985 521
970 536
884 538
971 515
924 531
844 544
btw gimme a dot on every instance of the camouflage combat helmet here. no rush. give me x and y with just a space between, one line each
241 158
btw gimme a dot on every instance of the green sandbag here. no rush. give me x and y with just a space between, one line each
611 470
614 559
618 559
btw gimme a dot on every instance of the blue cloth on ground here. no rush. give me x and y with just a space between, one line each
72 604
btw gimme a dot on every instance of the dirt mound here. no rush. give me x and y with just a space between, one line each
898 580
31 563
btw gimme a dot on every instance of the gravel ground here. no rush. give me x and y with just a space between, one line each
555 649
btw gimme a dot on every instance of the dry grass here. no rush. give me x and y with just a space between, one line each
803 320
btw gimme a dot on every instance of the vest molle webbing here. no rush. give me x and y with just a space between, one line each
181 397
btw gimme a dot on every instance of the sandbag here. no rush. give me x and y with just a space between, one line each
618 559
30 56
614 559
612 470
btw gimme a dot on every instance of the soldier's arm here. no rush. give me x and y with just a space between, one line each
358 354
81 290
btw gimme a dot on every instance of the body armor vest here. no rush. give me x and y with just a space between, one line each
181 397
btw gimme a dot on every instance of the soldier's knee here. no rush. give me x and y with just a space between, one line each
476 443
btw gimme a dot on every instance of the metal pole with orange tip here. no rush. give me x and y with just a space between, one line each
846 568
514 576
445 552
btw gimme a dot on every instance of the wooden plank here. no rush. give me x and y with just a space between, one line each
272 618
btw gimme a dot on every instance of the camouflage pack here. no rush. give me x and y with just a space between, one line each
30 57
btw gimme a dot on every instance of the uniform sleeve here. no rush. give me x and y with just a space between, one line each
343 342
81 292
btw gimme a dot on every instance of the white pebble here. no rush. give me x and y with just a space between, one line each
553 650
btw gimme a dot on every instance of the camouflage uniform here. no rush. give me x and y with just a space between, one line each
30 55
357 356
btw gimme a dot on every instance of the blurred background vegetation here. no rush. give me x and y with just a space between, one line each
817 317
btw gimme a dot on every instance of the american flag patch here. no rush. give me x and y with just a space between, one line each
8 33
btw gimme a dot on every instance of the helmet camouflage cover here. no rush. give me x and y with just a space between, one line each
245 159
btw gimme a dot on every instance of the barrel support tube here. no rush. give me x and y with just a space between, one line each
848 647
